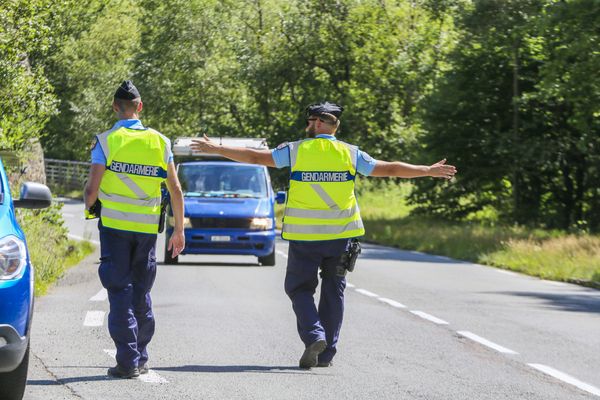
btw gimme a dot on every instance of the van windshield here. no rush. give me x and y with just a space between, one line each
199 180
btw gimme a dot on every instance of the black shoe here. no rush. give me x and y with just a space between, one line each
324 364
120 372
143 368
310 356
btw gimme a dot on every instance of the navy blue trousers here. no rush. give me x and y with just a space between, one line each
127 271
301 280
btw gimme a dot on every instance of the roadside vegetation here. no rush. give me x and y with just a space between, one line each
51 251
548 254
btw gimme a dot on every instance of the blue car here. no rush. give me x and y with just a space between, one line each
229 209
16 286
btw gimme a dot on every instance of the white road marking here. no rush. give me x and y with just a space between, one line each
348 284
68 215
554 283
281 253
150 377
367 293
486 342
111 352
94 318
391 302
429 317
82 238
100 296
502 271
566 378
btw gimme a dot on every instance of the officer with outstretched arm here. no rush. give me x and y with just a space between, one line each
321 219
129 164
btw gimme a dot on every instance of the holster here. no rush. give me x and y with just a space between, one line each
347 261
351 255
163 211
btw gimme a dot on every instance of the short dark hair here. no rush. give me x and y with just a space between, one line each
127 105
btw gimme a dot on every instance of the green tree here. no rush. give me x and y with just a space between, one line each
93 60
26 98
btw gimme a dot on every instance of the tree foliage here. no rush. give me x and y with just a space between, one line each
518 113
507 90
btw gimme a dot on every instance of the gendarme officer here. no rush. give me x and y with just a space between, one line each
320 219
129 163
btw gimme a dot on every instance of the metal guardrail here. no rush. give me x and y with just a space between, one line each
64 174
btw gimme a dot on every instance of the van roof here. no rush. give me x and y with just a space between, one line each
182 145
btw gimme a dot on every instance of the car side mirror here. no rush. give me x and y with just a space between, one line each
280 197
34 195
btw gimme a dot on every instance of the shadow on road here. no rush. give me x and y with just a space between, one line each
587 301
209 264
65 381
233 368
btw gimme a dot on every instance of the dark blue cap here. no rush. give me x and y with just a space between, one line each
127 91
326 107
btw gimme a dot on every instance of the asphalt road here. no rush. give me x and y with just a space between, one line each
416 327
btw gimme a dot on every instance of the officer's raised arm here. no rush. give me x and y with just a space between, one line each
405 170
245 155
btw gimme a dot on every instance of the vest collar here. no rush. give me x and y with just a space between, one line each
129 123
324 136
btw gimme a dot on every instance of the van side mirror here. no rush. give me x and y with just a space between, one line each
280 197
34 195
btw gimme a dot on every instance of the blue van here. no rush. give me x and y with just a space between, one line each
229 206
16 286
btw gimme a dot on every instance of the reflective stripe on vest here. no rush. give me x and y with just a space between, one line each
321 202
136 165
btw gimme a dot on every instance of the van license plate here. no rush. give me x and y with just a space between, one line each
220 238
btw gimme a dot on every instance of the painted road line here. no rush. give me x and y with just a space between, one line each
111 352
94 318
150 377
391 302
429 317
281 253
82 238
486 342
554 283
367 293
566 378
502 271
348 284
100 296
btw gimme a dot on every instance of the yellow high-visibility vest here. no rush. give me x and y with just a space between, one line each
136 165
321 202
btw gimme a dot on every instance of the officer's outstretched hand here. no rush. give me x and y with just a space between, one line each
204 145
176 243
441 170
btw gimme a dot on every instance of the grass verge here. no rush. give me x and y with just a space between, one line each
50 250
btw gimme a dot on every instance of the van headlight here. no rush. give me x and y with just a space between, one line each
261 224
186 222
13 257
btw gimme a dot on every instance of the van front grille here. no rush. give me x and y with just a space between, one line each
220 223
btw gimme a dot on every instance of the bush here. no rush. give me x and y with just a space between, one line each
50 250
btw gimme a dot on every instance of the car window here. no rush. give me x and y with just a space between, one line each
199 180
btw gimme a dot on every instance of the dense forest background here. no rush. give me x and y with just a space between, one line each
506 90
